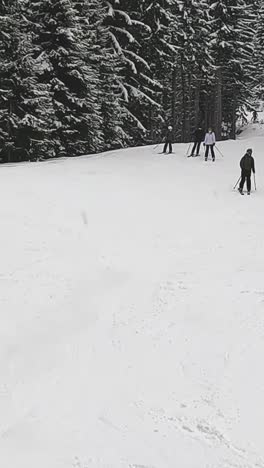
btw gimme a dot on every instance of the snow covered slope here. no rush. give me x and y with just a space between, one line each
132 305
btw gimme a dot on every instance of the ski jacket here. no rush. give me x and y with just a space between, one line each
198 135
209 139
247 163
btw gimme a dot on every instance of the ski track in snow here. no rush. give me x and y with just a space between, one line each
131 294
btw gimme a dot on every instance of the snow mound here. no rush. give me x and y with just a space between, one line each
252 130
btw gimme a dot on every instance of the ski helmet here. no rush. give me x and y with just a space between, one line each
169 127
249 151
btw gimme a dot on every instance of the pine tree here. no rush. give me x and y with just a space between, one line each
128 33
232 47
63 40
257 81
110 96
192 62
23 101
157 52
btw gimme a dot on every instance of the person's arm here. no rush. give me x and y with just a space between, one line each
241 162
214 138
253 165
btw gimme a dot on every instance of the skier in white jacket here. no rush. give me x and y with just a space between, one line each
209 142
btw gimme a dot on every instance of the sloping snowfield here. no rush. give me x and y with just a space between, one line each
132 311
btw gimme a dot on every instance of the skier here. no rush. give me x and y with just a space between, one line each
168 140
198 139
209 142
247 165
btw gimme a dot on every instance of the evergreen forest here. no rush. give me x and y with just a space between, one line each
84 76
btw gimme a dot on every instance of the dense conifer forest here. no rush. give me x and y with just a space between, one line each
84 76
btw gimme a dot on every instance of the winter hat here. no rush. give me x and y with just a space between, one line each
169 127
249 151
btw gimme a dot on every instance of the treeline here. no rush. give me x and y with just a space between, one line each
83 76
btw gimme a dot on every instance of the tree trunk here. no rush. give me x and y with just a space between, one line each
9 151
151 129
197 105
218 104
206 111
233 123
188 100
184 103
173 100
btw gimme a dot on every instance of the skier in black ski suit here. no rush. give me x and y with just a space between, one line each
198 139
168 140
255 116
247 165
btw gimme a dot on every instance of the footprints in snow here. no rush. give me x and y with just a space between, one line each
204 431
169 293
258 293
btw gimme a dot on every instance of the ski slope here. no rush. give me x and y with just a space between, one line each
132 305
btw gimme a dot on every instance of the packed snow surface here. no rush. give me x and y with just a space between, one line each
132 311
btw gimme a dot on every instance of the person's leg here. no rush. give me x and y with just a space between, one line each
170 147
249 183
193 149
165 147
206 152
242 181
198 148
212 152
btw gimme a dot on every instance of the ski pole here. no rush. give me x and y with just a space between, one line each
158 144
237 182
219 151
255 181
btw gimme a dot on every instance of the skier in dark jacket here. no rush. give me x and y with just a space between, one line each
198 139
247 165
255 116
168 140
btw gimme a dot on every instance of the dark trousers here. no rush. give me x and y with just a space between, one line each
245 176
196 147
166 146
207 151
